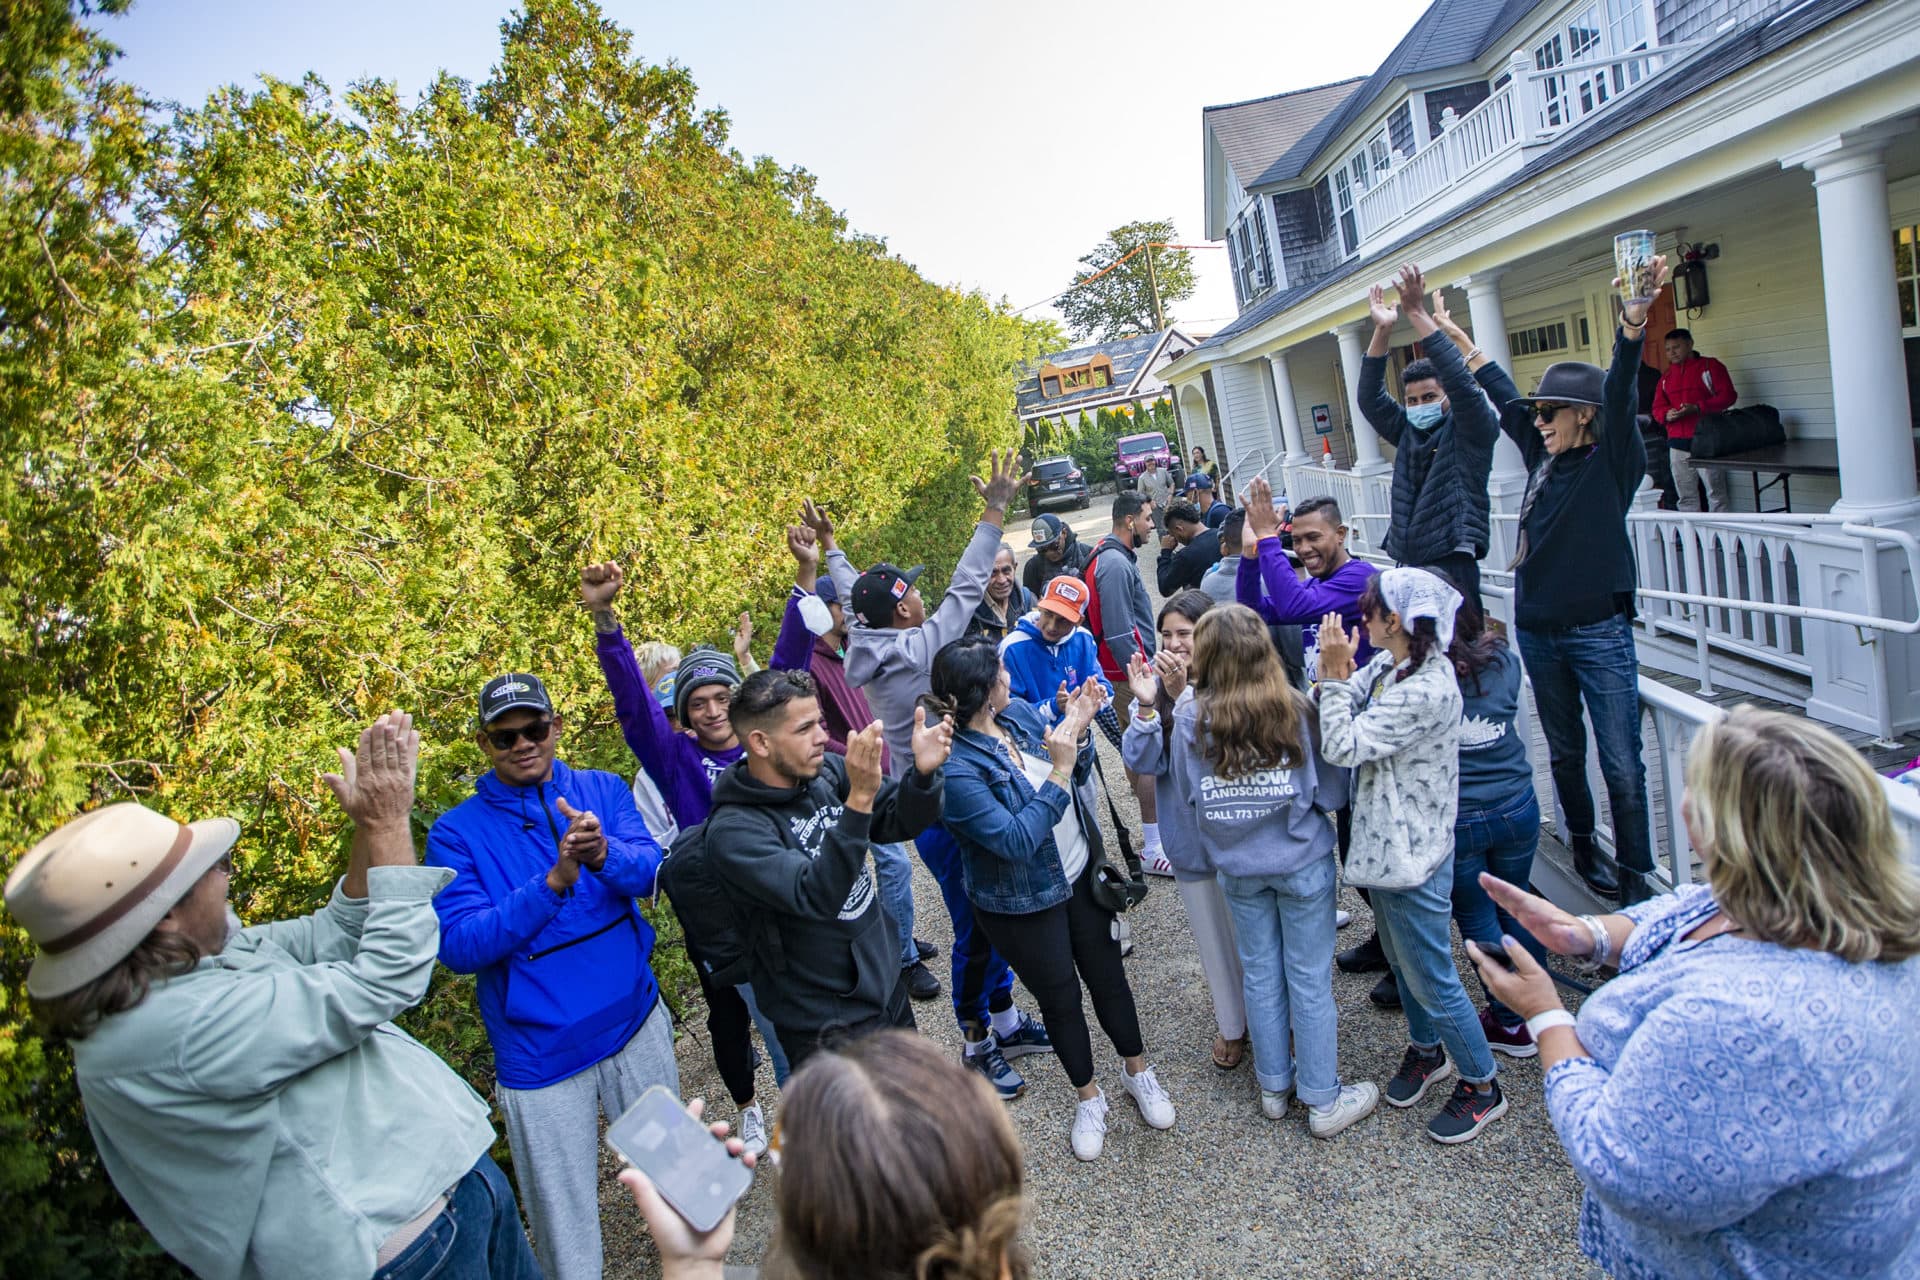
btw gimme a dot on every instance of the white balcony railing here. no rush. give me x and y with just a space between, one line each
1534 107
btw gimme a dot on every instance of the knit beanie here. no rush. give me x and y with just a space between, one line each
703 665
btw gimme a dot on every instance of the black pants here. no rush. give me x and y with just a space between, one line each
1052 951
1463 571
803 1044
730 1028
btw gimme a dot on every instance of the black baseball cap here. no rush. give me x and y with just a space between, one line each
1045 529
515 691
880 589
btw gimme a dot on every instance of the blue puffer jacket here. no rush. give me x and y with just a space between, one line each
1036 668
564 981
1004 828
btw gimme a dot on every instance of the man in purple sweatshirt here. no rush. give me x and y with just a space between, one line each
1268 584
815 603
683 766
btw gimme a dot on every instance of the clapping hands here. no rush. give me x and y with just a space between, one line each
1337 648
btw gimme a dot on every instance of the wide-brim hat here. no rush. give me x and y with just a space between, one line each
92 891
1570 382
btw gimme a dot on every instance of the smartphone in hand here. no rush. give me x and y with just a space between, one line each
685 1162
1496 952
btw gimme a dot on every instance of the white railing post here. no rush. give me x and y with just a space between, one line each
1528 109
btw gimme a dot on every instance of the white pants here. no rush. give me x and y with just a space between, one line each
1684 472
1219 953
555 1136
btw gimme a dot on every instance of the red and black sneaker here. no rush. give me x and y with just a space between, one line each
1467 1112
1419 1071
1515 1042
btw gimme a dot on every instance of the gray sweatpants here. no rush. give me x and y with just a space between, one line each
555 1136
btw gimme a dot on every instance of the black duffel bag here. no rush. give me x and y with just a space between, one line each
1738 430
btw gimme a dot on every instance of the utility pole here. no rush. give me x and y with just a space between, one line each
1159 317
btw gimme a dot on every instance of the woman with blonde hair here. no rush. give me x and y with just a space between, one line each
895 1164
1242 760
1738 1100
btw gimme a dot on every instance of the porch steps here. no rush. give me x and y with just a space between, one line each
1880 756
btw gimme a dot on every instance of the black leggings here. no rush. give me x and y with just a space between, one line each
730 1028
1052 950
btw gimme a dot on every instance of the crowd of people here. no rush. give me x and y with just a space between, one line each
1732 1100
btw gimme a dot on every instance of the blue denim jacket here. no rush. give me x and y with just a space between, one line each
1004 827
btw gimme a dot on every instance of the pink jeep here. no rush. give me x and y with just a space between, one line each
1132 454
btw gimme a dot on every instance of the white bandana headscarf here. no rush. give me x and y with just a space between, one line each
1414 594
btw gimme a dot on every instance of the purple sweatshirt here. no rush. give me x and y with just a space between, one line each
1272 589
682 769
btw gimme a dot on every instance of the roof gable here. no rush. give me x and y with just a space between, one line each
1132 359
1252 135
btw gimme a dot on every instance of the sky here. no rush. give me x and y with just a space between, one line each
991 144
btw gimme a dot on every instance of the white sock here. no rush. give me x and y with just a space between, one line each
1150 833
1006 1021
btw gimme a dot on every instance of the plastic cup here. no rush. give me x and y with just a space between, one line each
1633 255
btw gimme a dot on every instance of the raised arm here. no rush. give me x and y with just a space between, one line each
1473 416
1379 408
906 806
642 721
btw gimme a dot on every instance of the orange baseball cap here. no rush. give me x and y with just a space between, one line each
1066 597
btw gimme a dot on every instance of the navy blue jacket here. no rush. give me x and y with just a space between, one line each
1439 476
565 980
1004 828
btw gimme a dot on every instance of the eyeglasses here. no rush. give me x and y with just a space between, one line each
503 739
1547 412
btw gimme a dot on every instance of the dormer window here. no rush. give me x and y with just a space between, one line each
1057 380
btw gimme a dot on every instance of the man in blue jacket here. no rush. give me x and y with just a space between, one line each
548 861
1048 654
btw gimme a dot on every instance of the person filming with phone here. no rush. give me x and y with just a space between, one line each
1737 1101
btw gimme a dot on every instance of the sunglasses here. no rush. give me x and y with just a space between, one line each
225 865
503 739
1548 412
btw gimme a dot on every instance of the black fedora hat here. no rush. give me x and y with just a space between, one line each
1570 382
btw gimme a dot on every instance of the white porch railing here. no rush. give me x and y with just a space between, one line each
1356 494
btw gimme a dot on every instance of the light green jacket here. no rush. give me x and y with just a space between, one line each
262 1115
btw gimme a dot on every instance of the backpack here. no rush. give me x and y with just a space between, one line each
717 939
1108 667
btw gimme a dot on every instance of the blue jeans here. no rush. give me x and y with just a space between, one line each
1595 664
775 1054
1416 931
1501 840
478 1237
981 978
1284 927
893 868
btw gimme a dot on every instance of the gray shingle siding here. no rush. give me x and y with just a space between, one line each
1304 221
1461 97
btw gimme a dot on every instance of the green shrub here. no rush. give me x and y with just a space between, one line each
314 408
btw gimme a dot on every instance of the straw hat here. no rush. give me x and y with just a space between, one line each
93 890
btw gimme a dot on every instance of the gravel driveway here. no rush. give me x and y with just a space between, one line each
1227 1192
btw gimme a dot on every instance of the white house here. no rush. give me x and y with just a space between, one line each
1501 145
1122 374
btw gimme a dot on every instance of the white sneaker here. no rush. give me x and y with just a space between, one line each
1273 1104
1341 919
1355 1103
1156 863
1156 1108
753 1129
1090 1127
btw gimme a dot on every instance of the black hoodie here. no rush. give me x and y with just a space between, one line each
797 858
1040 570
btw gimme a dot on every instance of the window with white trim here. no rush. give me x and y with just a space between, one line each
1540 339
1343 213
1906 274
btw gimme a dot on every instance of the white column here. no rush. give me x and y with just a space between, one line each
1489 320
1871 413
1366 445
1289 408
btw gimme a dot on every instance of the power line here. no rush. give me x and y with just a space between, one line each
1139 248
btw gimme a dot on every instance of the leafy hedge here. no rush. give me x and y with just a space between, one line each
314 407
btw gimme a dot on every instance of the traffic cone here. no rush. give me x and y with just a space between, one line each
1326 452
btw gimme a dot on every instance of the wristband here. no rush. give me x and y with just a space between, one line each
1061 779
1540 1022
1144 714
1474 354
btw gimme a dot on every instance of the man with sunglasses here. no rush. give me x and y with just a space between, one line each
548 860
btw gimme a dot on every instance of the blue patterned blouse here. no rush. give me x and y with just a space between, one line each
1747 1109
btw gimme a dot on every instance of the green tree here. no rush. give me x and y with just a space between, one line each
1121 302
314 407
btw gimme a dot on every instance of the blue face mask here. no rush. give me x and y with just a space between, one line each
1425 417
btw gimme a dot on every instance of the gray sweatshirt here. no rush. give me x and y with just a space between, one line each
1273 822
894 665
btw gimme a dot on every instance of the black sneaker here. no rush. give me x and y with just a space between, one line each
1419 1071
992 1064
1386 992
1467 1112
921 984
926 949
1368 957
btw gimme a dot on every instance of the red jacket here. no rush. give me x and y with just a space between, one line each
1700 380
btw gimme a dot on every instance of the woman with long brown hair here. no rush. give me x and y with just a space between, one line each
1738 1100
1244 762
895 1164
